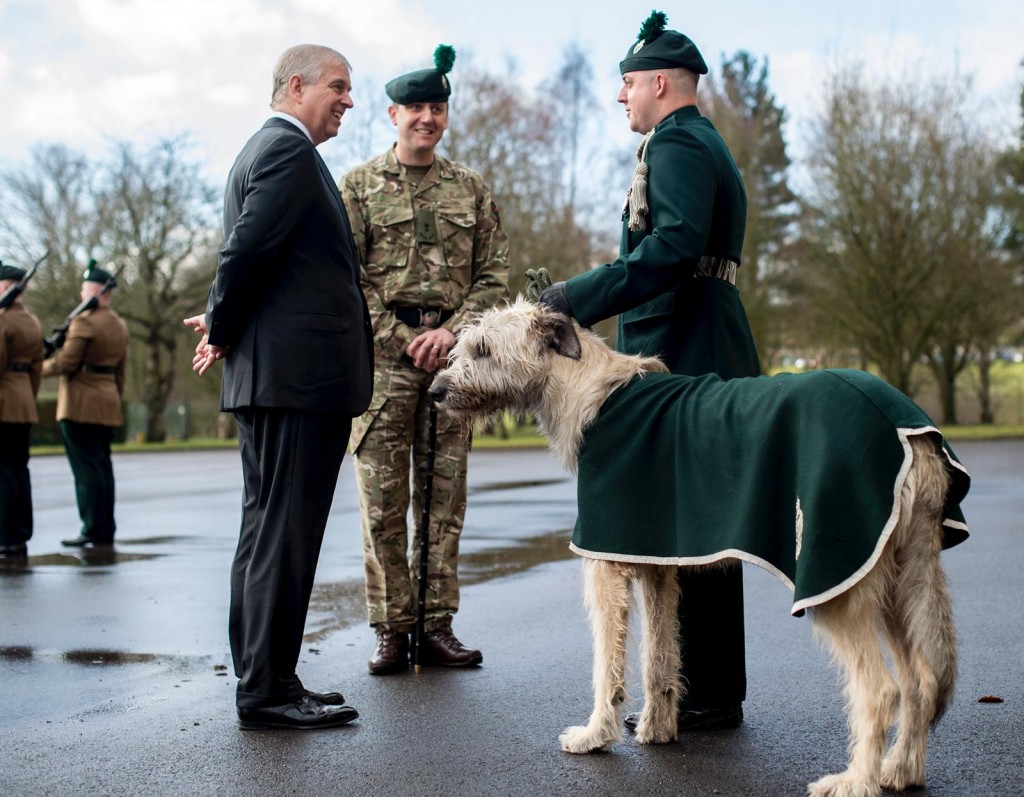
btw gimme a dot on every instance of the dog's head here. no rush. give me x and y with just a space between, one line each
502 360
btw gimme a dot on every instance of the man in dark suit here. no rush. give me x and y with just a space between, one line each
287 315
673 288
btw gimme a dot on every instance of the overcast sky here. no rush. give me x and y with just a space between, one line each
82 72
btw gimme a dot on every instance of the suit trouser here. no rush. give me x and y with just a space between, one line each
88 449
15 485
290 464
711 637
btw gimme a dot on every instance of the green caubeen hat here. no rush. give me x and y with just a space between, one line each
10 272
93 273
657 48
425 85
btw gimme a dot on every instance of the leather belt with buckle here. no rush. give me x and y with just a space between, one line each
426 317
89 368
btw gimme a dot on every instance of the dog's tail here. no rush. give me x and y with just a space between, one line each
923 595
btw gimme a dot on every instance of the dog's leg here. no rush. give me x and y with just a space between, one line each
851 625
607 597
659 654
920 621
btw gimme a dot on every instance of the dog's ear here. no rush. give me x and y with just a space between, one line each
558 333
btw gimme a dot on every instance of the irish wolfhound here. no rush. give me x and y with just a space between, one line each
812 448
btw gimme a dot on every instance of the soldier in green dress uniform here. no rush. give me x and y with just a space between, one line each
673 288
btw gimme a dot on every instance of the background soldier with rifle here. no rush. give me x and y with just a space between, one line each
89 355
21 358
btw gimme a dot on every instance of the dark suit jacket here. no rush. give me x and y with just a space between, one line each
698 207
286 297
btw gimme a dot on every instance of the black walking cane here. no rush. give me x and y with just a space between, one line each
428 488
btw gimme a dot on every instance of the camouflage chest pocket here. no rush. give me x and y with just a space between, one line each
391 232
456 223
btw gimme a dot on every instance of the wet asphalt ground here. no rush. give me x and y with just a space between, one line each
114 676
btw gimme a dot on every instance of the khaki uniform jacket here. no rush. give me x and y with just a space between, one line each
97 337
464 268
21 342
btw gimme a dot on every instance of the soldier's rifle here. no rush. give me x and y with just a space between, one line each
13 292
60 333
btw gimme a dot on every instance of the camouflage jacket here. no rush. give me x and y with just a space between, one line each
461 261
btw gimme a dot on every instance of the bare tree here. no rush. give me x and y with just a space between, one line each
888 214
51 203
160 229
513 142
572 89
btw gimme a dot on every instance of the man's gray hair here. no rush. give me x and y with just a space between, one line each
308 61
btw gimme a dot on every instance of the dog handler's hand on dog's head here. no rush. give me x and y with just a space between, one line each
555 298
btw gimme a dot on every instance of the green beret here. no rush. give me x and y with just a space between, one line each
657 48
11 272
94 273
425 85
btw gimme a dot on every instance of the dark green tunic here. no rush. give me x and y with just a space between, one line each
798 473
698 207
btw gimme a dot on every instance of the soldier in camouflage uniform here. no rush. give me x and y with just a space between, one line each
433 254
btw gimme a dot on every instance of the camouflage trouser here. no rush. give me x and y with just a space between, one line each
391 436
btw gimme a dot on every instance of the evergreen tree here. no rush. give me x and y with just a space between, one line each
743 108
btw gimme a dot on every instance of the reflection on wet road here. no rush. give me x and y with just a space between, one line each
342 605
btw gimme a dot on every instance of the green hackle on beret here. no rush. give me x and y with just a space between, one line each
425 85
657 48
93 273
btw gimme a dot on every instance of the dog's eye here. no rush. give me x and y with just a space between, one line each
481 350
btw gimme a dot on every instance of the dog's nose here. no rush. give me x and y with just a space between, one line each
437 391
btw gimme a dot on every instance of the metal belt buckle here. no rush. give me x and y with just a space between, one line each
429 318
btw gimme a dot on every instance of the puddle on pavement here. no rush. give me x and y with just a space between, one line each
90 657
152 540
333 607
521 485
107 657
91 557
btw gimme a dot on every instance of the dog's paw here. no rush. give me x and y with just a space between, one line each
842 785
581 739
649 733
899 776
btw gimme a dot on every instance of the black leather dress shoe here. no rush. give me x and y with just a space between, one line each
16 551
708 719
85 542
327 698
302 715
441 648
391 654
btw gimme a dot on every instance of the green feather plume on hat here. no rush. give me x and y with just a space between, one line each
444 58
653 27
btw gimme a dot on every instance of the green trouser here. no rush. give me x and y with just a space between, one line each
15 485
88 449
395 438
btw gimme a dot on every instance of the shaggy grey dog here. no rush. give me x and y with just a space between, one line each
527 358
